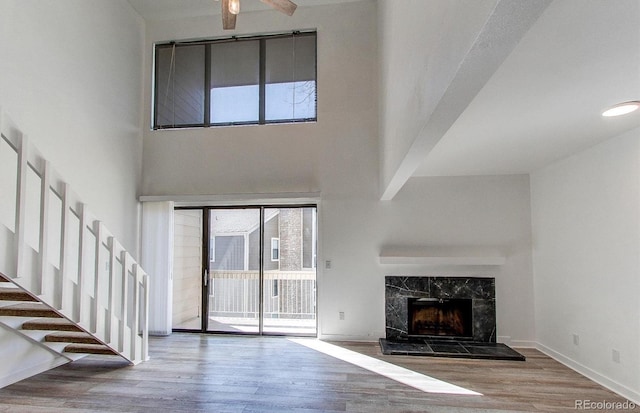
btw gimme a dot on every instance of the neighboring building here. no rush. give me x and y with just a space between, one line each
289 263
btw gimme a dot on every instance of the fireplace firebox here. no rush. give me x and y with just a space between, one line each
452 317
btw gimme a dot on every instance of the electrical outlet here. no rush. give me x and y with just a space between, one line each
615 356
341 315
327 264
576 339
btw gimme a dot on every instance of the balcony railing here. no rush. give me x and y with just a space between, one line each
287 294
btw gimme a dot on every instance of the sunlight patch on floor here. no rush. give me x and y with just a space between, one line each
400 374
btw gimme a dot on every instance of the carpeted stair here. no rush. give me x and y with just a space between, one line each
27 315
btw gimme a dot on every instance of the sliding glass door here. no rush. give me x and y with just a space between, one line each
257 270
289 276
234 271
187 270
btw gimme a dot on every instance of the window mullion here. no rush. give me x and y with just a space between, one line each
207 85
262 87
155 89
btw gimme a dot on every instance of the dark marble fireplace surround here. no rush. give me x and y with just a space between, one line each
480 290
482 343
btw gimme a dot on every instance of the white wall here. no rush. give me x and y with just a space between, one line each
446 212
279 158
24 359
338 156
71 78
586 231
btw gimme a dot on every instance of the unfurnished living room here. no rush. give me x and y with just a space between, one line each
319 205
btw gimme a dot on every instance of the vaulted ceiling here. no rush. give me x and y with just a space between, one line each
544 102
527 88
177 9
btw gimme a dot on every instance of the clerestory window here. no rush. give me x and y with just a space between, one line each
236 81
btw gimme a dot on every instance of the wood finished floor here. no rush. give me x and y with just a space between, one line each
199 373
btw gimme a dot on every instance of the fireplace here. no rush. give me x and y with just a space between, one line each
440 317
466 307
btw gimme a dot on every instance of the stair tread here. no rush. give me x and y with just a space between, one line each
51 328
71 337
14 294
29 309
88 348
54 324
31 306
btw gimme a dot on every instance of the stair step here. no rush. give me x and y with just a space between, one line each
12 322
54 324
71 337
28 310
14 294
4 303
88 349
3 279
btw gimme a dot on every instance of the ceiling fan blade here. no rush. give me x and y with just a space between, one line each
228 19
285 6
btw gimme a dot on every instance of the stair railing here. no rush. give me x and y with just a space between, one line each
55 248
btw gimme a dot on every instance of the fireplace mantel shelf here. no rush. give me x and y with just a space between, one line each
443 256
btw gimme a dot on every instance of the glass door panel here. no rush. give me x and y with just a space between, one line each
289 262
233 283
187 270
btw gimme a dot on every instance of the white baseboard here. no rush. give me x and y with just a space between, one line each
622 390
343 337
523 344
32 371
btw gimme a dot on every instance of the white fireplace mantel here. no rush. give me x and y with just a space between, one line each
439 255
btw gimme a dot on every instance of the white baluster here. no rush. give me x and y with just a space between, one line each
145 319
45 200
81 258
123 302
98 322
64 245
136 312
112 289
21 201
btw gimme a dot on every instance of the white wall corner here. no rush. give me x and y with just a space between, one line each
624 391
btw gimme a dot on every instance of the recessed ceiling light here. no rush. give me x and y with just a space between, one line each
622 108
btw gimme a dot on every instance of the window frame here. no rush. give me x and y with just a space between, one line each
275 240
314 240
207 80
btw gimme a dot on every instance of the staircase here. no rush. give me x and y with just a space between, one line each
41 324
66 284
